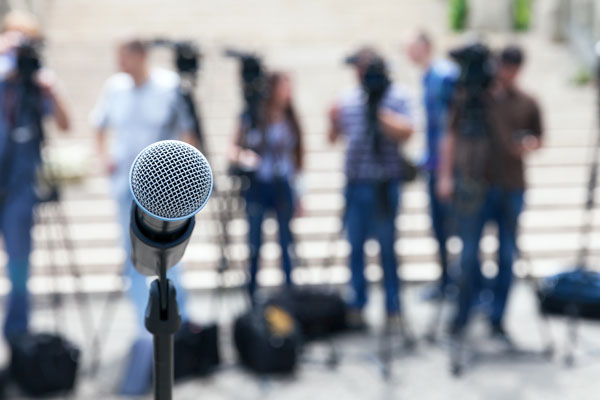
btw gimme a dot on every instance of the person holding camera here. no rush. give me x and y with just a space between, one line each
374 120
439 78
512 126
140 105
271 151
28 96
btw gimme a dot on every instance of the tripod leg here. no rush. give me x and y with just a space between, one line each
107 315
457 349
55 298
82 301
334 356
431 334
572 327
385 350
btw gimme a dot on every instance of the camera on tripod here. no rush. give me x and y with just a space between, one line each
477 72
186 55
375 82
28 59
254 82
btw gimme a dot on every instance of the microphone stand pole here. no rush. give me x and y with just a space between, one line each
162 321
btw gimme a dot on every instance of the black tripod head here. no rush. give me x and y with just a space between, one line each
254 82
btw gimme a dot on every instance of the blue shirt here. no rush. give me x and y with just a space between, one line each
363 162
438 85
20 134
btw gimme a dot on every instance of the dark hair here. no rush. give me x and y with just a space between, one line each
512 55
273 81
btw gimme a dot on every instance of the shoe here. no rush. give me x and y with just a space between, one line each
396 325
455 330
499 334
355 320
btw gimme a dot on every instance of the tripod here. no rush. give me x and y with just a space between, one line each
572 312
496 202
49 213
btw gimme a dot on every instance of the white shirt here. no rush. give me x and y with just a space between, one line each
139 116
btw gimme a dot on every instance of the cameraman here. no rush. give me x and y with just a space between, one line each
27 96
140 106
514 129
373 169
273 151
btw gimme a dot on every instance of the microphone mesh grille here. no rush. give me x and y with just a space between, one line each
171 179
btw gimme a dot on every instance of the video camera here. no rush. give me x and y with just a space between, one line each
28 59
477 72
187 56
375 83
254 82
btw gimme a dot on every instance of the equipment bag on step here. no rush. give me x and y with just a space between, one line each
196 350
44 364
319 312
575 293
267 340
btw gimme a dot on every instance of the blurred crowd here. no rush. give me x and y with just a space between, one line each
480 127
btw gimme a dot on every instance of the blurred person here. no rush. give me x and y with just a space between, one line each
373 169
515 130
273 151
27 98
439 78
140 105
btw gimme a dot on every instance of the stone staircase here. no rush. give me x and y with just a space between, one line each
309 40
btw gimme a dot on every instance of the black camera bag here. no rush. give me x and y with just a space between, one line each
196 350
319 313
43 364
267 340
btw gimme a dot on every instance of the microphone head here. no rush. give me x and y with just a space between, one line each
170 180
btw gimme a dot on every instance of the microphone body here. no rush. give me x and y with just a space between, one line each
170 182
155 242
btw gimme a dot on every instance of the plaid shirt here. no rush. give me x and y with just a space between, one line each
363 163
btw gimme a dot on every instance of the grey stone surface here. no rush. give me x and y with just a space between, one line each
423 373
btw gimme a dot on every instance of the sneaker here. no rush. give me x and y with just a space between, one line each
499 334
455 330
396 325
355 320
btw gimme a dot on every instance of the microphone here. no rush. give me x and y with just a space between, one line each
170 181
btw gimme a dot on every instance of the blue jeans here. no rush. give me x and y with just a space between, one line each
262 197
503 206
440 221
16 221
138 288
371 210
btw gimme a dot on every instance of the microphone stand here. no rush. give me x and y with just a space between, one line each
162 321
